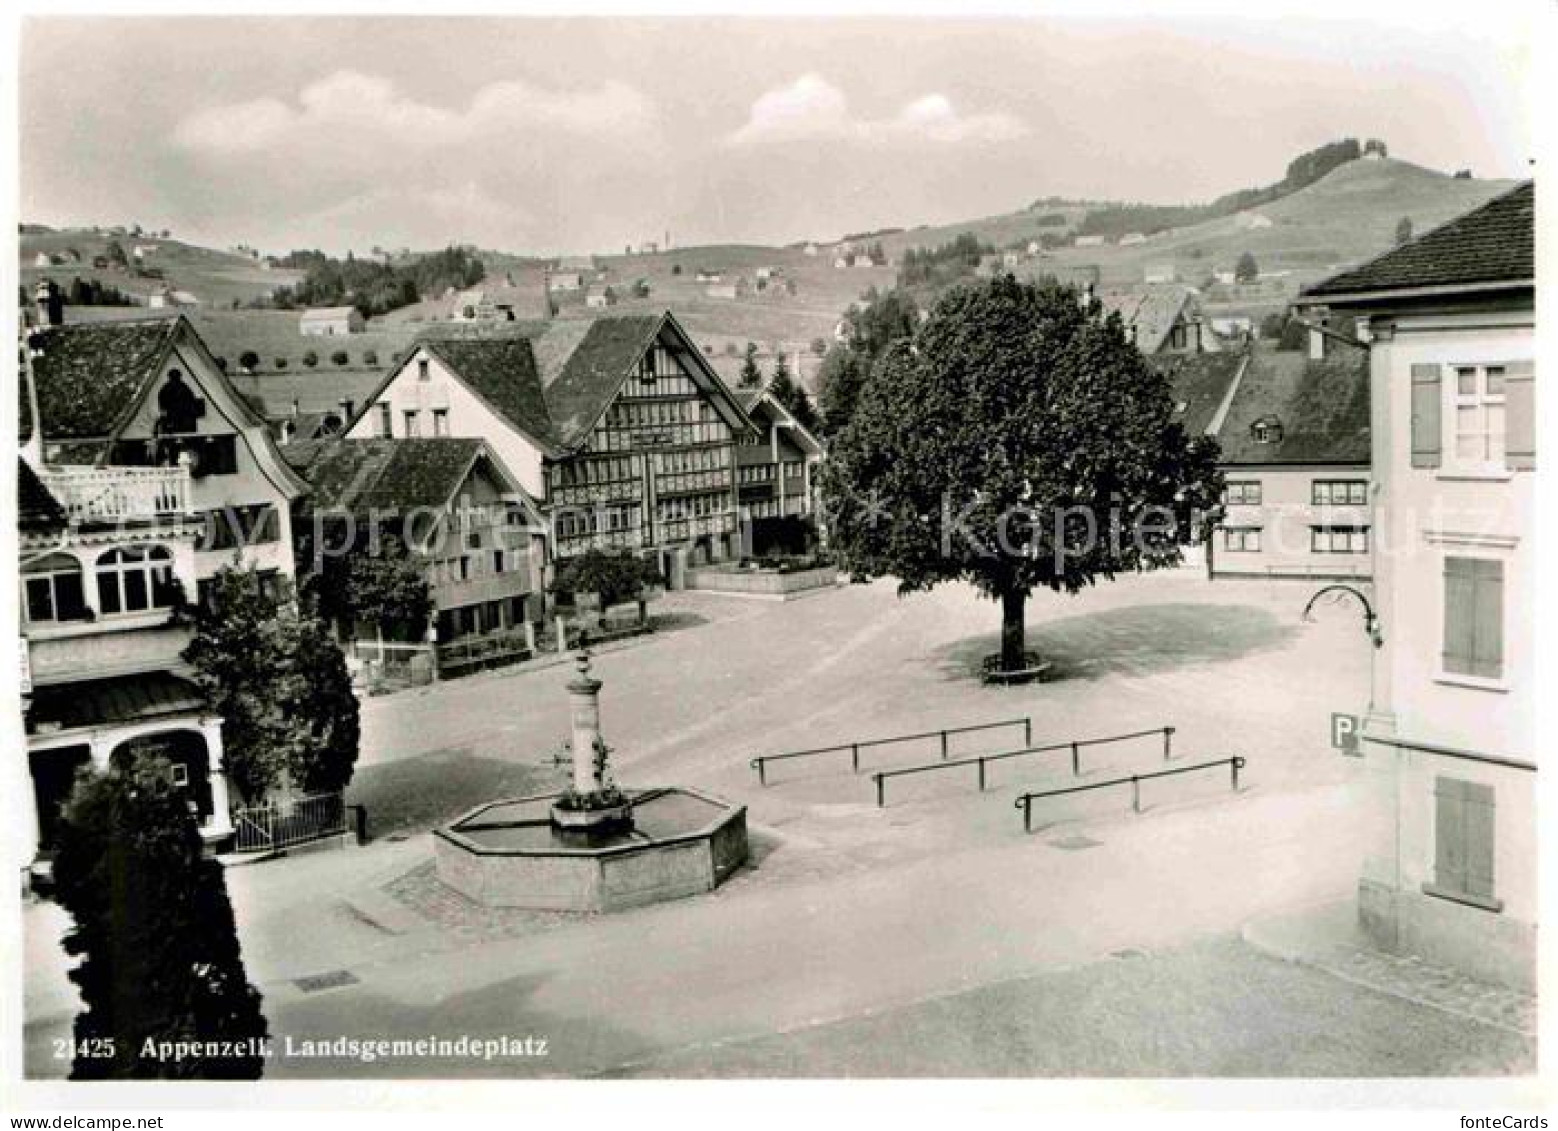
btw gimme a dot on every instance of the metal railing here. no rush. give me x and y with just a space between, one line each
266 828
1025 801
854 748
1075 746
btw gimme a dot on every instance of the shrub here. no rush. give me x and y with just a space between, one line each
248 359
311 359
340 357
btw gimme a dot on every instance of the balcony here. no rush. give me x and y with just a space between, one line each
118 494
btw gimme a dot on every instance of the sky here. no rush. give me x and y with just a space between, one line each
546 136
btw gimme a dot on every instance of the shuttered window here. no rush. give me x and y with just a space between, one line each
1474 617
1427 430
1464 842
1520 415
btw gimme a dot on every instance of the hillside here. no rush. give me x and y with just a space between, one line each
217 278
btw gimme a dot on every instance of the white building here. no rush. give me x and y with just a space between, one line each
330 322
1449 734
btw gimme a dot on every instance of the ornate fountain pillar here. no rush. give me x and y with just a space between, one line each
593 807
584 711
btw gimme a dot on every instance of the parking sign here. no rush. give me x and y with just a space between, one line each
1344 734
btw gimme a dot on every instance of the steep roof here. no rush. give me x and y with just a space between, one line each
503 370
1152 311
1488 245
1201 383
88 375
595 371
355 476
36 506
1322 407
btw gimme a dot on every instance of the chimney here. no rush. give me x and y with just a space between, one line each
50 304
1316 343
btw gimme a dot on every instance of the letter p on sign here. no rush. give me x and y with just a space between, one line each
1344 734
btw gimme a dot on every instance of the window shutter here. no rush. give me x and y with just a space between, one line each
1460 584
1477 818
1427 431
1449 834
1520 415
1488 620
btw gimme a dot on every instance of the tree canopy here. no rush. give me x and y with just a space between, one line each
154 930
1018 442
276 676
615 577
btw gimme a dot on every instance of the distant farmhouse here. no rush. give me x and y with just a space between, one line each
331 321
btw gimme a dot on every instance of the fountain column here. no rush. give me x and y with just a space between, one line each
584 710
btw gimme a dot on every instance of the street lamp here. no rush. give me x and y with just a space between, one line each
1337 593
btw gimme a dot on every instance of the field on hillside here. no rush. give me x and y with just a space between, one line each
1344 218
216 278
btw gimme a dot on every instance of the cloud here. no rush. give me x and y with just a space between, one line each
813 109
350 104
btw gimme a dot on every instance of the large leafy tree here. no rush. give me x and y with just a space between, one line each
884 319
384 587
276 676
159 950
1019 442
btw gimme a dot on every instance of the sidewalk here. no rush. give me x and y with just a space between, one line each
1327 937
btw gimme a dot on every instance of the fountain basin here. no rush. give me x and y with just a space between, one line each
509 854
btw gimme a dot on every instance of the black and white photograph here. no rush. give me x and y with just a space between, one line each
824 549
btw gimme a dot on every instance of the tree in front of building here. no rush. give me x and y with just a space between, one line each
154 931
789 392
385 588
279 681
751 376
884 319
613 577
1246 270
1019 442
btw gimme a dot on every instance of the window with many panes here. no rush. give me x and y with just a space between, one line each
1243 493
1339 539
133 579
53 589
1477 415
1339 492
1241 540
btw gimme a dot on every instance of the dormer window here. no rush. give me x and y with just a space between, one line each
1266 430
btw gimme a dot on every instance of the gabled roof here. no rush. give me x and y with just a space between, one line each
595 371
1322 407
36 506
89 375
502 370
1152 311
1201 383
356 476
756 401
1490 245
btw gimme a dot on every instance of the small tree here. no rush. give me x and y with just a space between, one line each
788 392
1021 443
248 360
153 927
340 357
1403 229
386 589
311 359
615 577
751 376
1246 270
279 681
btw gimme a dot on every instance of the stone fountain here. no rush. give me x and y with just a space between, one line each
596 846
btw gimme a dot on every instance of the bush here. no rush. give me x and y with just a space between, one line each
370 357
248 359
340 357
311 359
281 363
615 577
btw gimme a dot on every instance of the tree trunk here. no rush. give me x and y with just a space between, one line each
1013 654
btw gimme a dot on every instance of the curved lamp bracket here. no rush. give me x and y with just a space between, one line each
1335 594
